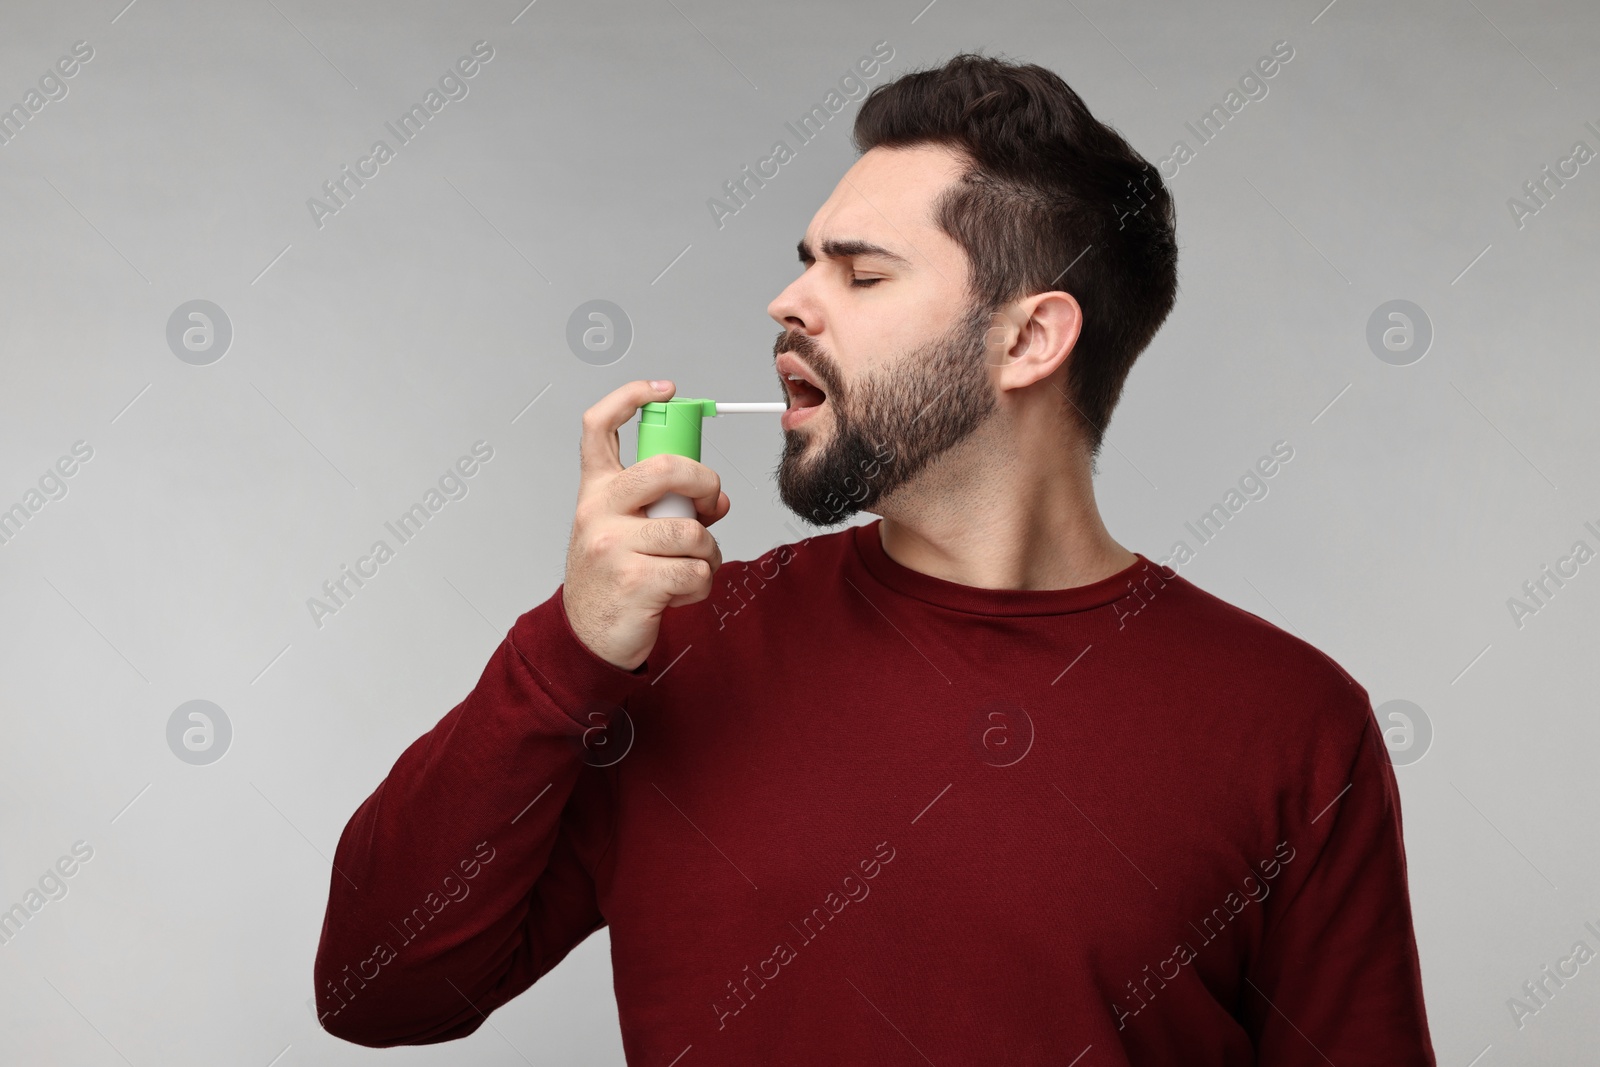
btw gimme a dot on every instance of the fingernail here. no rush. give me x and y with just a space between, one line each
659 386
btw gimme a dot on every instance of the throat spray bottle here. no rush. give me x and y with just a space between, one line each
674 426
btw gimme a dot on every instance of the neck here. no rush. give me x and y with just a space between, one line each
995 515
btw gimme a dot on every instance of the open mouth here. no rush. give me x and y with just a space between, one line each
803 393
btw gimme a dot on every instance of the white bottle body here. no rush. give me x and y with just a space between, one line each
671 506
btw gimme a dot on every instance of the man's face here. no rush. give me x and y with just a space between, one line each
878 326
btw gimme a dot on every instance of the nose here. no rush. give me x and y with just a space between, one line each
793 309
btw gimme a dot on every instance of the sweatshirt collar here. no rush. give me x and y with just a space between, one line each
974 600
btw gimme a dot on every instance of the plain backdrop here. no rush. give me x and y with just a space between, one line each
373 347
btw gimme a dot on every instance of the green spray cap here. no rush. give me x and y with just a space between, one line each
673 426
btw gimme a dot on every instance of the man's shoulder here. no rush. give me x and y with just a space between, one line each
1258 657
797 568
803 553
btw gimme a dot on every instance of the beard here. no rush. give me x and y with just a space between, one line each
888 426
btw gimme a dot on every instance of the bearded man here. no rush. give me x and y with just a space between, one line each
972 783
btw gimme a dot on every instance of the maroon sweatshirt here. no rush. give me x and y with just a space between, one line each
847 812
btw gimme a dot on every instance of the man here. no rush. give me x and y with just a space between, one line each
970 784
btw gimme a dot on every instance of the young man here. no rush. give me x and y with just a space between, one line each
971 784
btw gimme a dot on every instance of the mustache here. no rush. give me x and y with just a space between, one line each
814 357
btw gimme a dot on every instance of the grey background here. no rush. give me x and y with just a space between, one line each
369 354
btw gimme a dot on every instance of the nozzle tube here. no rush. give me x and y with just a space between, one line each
761 407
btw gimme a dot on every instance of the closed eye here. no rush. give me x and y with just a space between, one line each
863 283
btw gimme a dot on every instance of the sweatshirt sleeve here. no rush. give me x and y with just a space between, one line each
1337 978
467 874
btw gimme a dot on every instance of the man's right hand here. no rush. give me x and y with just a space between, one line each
623 569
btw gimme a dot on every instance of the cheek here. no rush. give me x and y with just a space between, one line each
871 347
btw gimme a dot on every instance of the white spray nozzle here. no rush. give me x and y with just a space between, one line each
758 407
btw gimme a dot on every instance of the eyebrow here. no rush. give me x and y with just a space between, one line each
846 249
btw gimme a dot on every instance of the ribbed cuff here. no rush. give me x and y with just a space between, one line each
575 679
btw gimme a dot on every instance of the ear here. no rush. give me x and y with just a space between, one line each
1030 339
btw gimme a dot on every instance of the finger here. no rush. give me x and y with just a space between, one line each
599 451
675 537
648 480
723 506
683 578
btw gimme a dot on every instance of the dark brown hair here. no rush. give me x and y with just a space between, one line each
1048 187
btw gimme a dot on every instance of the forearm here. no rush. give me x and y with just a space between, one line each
449 894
